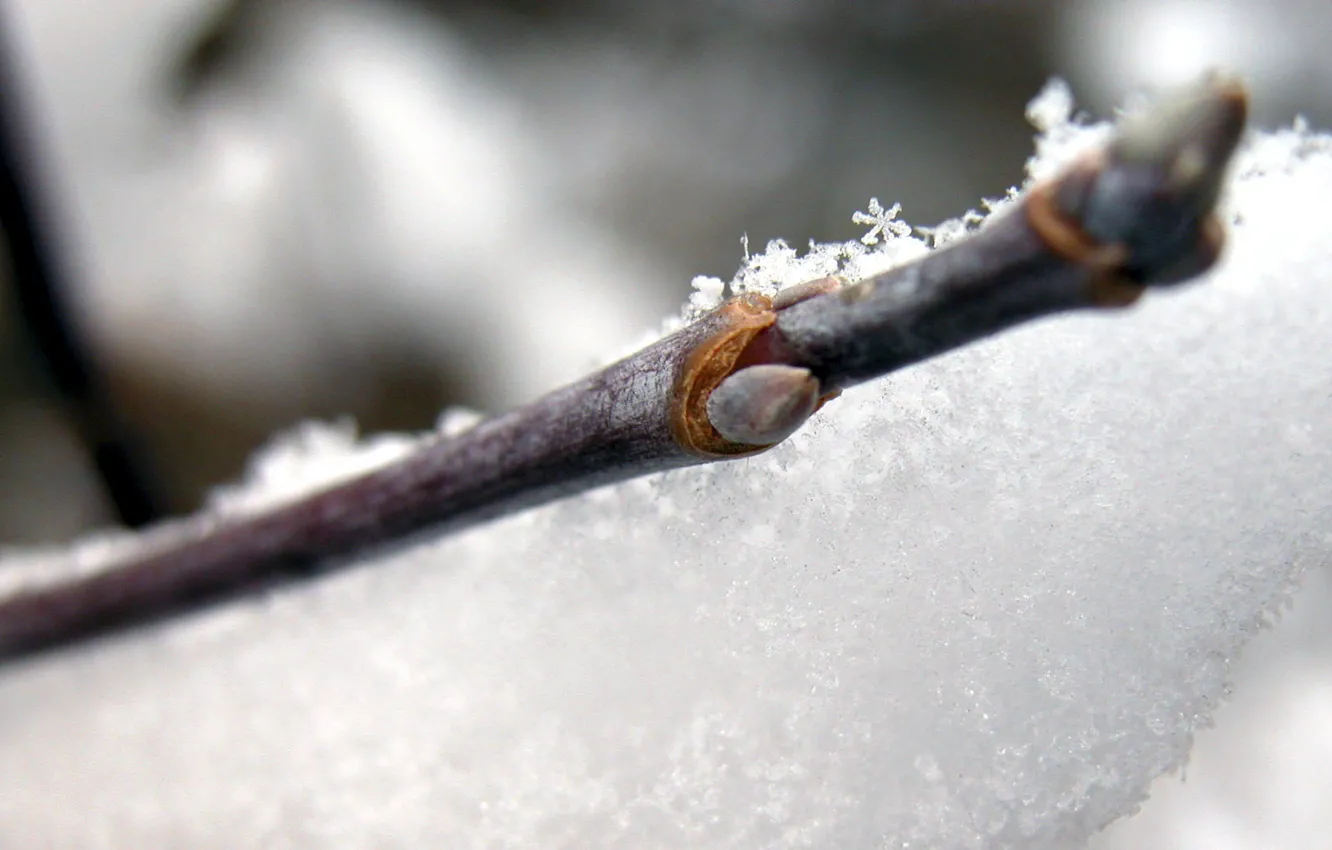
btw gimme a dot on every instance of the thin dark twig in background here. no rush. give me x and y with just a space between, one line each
1136 213
41 285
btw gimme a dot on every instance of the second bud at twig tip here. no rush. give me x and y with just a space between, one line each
762 405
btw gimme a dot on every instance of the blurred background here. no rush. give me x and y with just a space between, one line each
264 211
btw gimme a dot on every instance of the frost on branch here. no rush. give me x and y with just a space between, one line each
979 604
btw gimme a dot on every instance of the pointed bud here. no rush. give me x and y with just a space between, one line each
807 290
762 405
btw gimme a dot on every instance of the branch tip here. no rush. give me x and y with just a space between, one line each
1140 212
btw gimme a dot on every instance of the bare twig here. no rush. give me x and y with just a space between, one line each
1137 213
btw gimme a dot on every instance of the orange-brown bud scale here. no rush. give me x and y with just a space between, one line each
710 363
1109 287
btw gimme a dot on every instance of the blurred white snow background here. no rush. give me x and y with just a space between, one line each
381 208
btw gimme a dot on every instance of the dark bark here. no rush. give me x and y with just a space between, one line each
41 286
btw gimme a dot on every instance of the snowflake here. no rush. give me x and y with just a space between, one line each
882 221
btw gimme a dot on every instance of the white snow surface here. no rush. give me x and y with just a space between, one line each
979 604
1258 780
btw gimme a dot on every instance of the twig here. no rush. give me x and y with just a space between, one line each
1137 213
39 284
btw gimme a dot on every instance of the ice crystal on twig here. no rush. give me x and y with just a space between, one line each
883 222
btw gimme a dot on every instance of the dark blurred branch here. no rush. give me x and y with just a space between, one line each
40 284
1137 213
214 46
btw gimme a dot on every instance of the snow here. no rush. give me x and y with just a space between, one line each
883 222
980 604
1259 779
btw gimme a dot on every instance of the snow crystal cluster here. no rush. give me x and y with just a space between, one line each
979 604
